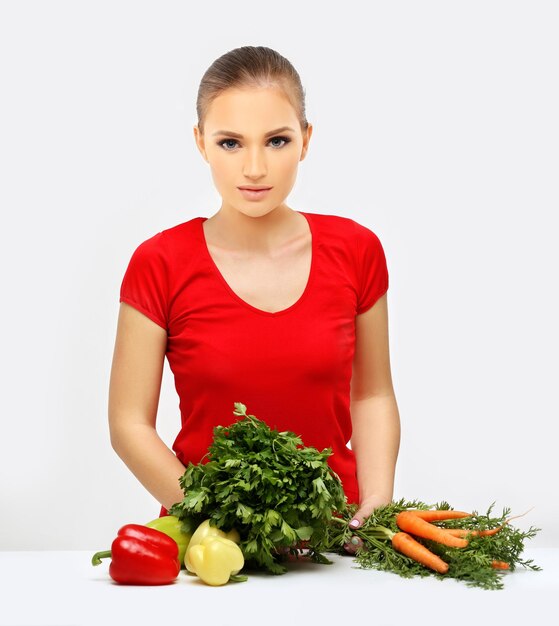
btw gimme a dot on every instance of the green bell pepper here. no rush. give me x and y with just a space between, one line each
171 526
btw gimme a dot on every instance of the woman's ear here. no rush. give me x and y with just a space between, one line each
306 139
200 142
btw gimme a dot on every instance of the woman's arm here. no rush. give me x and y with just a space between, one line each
135 385
374 412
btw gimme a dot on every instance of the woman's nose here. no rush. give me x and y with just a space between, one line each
255 165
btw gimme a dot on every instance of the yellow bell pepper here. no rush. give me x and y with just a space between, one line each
215 559
205 530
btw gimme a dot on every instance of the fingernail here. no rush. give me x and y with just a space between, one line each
354 523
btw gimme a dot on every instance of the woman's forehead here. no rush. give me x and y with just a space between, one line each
235 107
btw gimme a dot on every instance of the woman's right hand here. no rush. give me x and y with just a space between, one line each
353 545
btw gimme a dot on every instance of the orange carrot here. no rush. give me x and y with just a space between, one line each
500 564
413 524
463 532
438 514
407 545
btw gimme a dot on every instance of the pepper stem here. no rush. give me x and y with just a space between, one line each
238 578
96 559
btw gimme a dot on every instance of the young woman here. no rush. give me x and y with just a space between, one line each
282 310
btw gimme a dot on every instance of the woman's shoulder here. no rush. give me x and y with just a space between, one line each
164 246
166 237
330 219
182 230
342 226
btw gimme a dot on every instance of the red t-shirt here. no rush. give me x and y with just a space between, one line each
291 368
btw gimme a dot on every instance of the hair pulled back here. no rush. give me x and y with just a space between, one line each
250 66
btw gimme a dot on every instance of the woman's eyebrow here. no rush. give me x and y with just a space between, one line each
238 136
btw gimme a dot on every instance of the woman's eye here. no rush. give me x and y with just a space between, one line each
285 140
226 143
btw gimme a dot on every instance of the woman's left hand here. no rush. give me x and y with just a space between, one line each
366 508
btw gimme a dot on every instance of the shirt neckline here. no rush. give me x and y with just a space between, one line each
314 245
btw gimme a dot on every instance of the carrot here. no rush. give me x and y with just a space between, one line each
413 524
407 545
463 532
438 514
499 564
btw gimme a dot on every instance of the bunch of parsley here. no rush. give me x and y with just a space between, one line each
274 490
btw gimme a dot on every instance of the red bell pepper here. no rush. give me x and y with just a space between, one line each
141 556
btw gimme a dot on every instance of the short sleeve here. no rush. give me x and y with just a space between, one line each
372 270
145 282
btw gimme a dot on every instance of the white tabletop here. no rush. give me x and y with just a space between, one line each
63 589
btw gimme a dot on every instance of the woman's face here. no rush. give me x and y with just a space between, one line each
243 145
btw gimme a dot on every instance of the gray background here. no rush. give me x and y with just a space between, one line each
435 124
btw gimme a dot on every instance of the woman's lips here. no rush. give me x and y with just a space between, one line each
254 194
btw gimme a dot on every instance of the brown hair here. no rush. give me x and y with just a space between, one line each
250 66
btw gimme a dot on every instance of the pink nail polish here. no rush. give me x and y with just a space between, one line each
354 523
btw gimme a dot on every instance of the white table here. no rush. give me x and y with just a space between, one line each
62 588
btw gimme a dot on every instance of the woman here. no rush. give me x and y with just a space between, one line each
282 310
